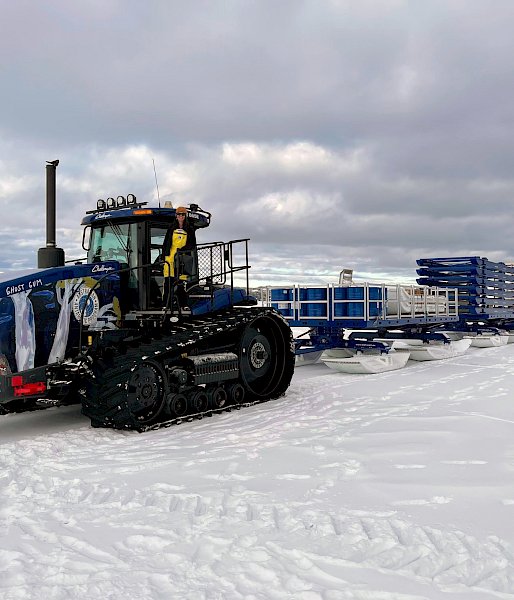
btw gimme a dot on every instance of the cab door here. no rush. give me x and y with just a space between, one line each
156 234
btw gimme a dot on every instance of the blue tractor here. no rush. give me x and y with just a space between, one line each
109 332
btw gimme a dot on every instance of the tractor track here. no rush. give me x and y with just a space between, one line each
107 401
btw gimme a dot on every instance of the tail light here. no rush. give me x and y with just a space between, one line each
27 389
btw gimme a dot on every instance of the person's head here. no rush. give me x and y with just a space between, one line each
181 214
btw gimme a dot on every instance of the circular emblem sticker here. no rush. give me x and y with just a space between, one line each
92 306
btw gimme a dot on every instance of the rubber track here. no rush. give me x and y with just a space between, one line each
106 381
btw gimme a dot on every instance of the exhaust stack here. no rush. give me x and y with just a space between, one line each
50 256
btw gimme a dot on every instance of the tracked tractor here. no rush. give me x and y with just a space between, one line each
108 330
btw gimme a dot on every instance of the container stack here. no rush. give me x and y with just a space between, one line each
485 288
329 301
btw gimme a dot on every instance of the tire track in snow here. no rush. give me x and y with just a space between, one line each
175 531
79 519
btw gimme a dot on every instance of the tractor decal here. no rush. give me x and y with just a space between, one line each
40 324
24 331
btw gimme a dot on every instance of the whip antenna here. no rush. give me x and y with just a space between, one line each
156 184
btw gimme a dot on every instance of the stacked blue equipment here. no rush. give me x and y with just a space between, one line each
330 310
314 302
486 288
303 305
361 306
355 306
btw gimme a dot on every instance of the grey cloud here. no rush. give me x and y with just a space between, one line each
336 211
217 70
363 133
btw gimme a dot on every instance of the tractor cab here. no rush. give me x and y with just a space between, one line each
138 239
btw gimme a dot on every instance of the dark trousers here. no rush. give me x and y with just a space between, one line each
174 293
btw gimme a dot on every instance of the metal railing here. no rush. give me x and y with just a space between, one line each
366 301
219 264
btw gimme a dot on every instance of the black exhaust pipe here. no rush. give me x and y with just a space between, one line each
50 256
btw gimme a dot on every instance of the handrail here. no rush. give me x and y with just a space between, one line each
387 303
227 267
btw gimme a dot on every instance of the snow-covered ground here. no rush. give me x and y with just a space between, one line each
397 486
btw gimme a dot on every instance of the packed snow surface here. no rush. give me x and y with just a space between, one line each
394 486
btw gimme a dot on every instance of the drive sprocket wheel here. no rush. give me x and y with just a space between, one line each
266 357
146 392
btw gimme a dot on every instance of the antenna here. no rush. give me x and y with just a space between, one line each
156 184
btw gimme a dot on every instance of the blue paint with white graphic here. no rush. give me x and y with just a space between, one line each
40 313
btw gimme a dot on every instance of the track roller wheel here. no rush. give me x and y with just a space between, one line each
199 401
177 405
217 397
266 357
236 393
145 392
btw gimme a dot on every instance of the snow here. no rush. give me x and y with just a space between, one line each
394 486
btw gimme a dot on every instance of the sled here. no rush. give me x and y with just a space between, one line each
308 358
486 340
346 360
433 350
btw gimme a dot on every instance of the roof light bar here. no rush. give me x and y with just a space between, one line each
116 204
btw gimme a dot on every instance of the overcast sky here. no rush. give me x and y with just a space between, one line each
362 134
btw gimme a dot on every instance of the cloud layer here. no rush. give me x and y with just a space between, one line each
333 134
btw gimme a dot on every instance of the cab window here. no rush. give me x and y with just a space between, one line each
115 241
157 237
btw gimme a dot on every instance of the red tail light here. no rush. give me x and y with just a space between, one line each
27 389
